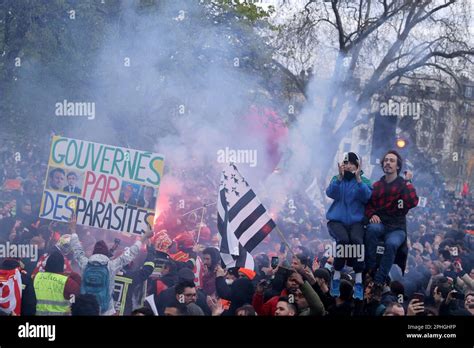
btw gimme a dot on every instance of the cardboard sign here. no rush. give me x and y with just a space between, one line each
107 187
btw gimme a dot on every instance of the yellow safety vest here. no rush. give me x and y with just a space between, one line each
49 288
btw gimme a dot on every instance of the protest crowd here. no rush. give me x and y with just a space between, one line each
175 268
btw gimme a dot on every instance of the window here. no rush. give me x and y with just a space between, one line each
347 147
468 92
467 108
364 133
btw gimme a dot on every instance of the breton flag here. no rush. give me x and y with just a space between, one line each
242 221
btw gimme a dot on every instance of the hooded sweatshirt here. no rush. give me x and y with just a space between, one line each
113 266
350 198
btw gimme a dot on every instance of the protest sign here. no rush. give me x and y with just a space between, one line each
107 187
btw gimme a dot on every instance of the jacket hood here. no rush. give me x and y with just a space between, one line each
102 259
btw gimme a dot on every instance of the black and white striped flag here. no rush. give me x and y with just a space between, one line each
242 221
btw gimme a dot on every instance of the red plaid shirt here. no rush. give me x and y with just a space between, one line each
392 201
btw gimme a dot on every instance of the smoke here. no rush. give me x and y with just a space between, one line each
181 81
185 91
175 79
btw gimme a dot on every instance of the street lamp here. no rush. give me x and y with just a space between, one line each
401 143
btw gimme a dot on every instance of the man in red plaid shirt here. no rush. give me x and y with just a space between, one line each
392 198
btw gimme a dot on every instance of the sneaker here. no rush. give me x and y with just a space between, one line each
358 291
334 292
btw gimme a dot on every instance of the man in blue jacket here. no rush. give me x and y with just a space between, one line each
350 191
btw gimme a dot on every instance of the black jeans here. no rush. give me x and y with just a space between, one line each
351 238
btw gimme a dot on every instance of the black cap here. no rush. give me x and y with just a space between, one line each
352 157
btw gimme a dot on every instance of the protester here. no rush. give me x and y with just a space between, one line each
175 309
63 245
268 308
210 258
392 198
10 271
239 293
439 247
248 311
142 312
100 266
394 309
85 305
306 299
284 308
169 296
137 280
350 191
54 289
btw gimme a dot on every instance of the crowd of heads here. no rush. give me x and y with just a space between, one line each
438 280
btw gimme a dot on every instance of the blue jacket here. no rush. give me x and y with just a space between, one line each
350 199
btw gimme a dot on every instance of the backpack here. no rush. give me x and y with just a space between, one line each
95 281
10 291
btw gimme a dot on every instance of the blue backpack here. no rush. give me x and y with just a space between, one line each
95 281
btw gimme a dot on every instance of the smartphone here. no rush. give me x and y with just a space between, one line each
419 296
275 261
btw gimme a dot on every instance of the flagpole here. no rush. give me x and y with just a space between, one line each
284 240
200 225
203 206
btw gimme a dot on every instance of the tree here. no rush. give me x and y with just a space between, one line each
47 51
366 47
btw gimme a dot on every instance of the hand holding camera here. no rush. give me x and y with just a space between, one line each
415 307
220 271
340 168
